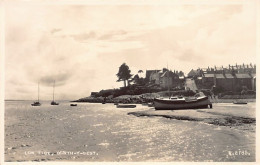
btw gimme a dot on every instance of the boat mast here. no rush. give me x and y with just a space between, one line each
38 92
53 90
168 83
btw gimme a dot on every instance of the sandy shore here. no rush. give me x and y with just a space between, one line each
217 100
240 117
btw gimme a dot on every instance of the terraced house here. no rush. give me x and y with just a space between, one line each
233 78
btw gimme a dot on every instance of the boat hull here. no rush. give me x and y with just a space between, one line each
36 104
160 104
239 102
125 106
54 103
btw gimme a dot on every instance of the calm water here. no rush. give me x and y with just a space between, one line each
97 132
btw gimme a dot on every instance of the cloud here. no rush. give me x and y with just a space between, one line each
59 78
55 30
84 54
112 34
94 35
84 36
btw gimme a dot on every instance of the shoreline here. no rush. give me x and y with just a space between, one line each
212 100
240 121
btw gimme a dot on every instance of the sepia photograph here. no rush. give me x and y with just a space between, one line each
123 81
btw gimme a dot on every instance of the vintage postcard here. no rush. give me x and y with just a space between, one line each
128 81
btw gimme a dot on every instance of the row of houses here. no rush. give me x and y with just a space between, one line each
232 78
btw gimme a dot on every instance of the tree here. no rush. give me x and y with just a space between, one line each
124 73
136 79
140 71
181 73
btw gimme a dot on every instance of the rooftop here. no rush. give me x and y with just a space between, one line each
164 74
220 76
243 75
208 75
229 76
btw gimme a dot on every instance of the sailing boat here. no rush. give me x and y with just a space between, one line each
53 102
180 102
37 103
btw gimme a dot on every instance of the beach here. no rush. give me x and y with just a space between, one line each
102 132
240 117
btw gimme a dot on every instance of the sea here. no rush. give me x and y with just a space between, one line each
101 132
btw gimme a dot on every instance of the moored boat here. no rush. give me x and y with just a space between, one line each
73 105
37 103
179 102
53 102
125 106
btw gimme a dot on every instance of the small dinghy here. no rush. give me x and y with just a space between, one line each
150 105
239 102
125 106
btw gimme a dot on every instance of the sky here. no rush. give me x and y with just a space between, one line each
81 47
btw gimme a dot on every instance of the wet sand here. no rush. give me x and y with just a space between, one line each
102 132
223 114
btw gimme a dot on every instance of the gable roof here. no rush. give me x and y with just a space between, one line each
229 75
243 75
164 74
148 72
220 76
194 73
253 75
208 75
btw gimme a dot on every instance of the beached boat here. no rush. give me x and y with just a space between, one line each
179 102
73 105
37 103
239 102
53 102
150 104
125 106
